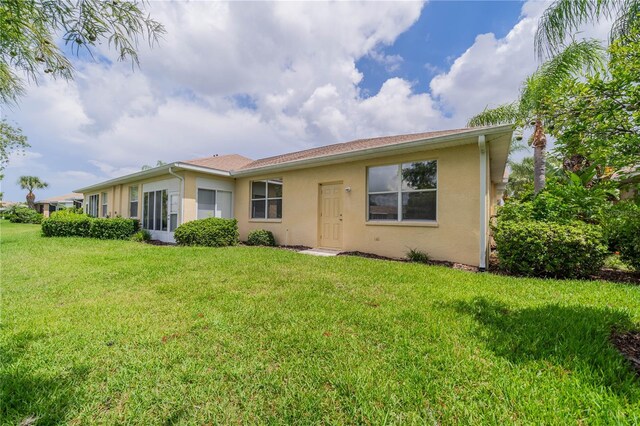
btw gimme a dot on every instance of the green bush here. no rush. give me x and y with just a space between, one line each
211 232
141 236
23 214
66 223
261 237
544 249
415 255
621 224
115 228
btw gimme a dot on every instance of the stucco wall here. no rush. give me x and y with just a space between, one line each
454 237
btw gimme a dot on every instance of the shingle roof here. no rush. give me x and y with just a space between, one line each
346 147
221 162
67 197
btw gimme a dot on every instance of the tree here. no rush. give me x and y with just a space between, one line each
598 119
11 140
158 164
564 17
30 183
29 30
521 175
528 112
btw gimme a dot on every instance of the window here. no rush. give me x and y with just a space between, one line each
403 192
206 203
104 205
133 201
266 199
154 210
92 205
214 203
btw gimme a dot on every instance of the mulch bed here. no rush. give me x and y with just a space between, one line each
453 265
628 343
159 243
605 274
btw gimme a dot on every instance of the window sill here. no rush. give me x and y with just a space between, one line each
265 220
405 223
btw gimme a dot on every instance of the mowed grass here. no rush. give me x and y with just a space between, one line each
121 332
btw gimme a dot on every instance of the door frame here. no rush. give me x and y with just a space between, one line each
319 213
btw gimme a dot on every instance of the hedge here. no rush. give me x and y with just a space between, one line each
116 228
211 232
261 237
67 223
23 214
621 224
545 249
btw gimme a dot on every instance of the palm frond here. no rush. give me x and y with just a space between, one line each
576 57
503 114
627 20
564 17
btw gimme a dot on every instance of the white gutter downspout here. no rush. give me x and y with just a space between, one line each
181 194
483 202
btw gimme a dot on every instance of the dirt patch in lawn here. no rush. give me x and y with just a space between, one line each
628 343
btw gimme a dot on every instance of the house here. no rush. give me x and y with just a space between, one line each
433 191
50 205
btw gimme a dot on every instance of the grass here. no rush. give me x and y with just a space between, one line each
122 332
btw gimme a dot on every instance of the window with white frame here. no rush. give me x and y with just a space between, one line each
105 202
214 203
92 205
154 210
133 201
403 192
266 199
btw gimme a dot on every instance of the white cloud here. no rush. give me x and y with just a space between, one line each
256 79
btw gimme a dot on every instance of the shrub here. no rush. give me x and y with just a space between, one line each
115 228
66 223
211 232
141 236
545 249
23 214
621 224
415 255
261 237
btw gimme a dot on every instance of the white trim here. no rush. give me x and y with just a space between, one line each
482 145
181 194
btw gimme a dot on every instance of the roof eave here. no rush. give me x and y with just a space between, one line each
355 155
156 171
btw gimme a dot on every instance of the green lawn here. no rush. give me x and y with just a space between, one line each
115 331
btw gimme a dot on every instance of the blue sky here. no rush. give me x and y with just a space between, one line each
262 78
443 32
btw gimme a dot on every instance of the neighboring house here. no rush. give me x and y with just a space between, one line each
50 205
430 191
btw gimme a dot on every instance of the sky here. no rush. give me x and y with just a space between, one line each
261 79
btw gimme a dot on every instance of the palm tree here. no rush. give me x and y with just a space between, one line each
30 183
526 112
521 175
564 17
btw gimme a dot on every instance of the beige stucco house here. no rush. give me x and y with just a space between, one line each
433 191
51 204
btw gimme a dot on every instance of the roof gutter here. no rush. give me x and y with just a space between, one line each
484 206
353 155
